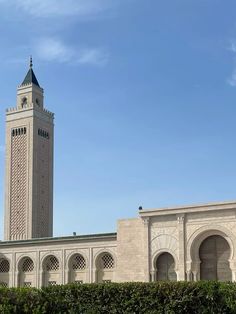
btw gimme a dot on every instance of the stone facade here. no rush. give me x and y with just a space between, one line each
181 243
29 165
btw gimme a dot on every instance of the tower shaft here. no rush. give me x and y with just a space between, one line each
29 165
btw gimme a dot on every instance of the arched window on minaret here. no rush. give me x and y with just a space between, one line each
24 102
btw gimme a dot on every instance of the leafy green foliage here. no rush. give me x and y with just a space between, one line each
114 298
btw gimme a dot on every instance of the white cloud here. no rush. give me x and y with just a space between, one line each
55 8
52 49
93 56
232 46
232 80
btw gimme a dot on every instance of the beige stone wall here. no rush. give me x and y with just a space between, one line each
42 208
63 251
131 250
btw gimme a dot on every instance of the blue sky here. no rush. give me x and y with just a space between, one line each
144 95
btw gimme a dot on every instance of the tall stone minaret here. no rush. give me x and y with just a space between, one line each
29 164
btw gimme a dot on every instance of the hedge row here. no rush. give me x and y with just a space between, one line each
162 297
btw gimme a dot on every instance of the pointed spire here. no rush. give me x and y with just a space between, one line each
31 62
30 76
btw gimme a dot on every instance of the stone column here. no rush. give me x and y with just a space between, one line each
189 271
153 275
90 265
232 265
17 279
67 276
37 269
196 270
181 240
63 266
195 275
13 283
189 275
41 275
146 248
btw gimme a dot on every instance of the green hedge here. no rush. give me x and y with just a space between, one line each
162 297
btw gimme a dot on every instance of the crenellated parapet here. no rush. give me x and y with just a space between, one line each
30 106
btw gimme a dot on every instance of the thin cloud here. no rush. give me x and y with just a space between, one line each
54 50
232 46
51 49
93 56
57 8
232 80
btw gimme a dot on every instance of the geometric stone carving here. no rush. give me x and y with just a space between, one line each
164 242
78 262
28 265
106 261
4 266
18 186
51 263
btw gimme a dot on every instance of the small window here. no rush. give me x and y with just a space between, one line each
4 266
28 265
43 133
107 261
78 262
23 102
51 263
52 283
27 284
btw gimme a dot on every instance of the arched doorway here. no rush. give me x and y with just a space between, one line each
165 266
214 254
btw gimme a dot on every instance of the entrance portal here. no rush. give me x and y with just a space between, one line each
166 267
214 254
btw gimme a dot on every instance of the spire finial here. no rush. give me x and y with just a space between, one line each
31 62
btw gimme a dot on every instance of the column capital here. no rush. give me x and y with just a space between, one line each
146 221
180 218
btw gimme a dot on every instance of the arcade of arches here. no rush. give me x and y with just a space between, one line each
214 255
51 270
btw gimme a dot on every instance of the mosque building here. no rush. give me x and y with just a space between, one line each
190 243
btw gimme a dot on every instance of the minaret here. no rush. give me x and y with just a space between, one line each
29 164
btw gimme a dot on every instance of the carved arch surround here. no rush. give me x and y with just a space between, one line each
199 235
21 257
73 253
164 243
101 252
46 255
